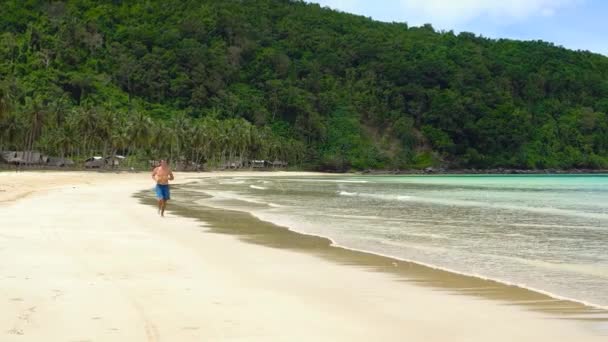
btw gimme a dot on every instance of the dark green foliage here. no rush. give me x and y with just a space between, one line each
227 79
345 145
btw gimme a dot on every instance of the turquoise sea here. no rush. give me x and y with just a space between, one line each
547 233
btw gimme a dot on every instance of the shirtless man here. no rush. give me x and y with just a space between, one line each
162 175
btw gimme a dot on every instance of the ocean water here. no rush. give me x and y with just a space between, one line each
547 233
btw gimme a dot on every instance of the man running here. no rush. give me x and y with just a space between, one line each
162 175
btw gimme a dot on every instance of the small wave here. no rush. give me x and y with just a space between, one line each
230 182
470 203
233 196
517 235
299 227
326 180
554 226
376 196
471 274
427 235
257 187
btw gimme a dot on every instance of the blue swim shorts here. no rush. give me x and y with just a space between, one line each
162 192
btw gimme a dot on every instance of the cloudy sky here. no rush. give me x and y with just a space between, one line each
575 24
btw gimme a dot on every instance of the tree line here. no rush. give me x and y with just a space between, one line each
86 131
215 81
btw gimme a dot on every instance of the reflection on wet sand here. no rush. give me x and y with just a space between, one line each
252 230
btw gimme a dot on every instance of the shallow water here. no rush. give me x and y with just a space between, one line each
548 233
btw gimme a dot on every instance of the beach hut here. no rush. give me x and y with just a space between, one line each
236 164
24 157
30 157
59 162
258 164
114 161
94 162
9 156
279 164
4 155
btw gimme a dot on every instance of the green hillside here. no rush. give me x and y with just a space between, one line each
216 81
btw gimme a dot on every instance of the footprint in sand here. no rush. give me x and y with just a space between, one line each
191 328
25 316
15 331
57 294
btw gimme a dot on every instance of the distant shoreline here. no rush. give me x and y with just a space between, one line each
427 171
498 171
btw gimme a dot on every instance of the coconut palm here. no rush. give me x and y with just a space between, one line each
140 129
178 129
11 128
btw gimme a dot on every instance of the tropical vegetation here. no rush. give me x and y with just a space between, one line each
210 81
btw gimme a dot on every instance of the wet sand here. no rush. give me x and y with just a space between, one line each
89 262
250 229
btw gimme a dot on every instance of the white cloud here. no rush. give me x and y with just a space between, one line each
445 14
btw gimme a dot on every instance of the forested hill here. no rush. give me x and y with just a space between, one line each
215 81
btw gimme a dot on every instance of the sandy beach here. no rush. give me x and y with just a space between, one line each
84 260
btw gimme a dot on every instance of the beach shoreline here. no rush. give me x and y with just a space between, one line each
115 271
326 247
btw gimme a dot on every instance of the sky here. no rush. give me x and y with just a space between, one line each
574 24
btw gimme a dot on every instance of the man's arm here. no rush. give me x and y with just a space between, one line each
171 175
154 173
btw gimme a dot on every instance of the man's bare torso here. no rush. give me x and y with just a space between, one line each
162 175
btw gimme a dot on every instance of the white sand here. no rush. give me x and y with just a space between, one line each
87 262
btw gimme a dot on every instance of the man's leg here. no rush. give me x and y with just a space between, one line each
163 205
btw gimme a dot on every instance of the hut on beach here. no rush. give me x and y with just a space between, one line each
237 164
279 164
4 157
258 164
95 162
24 157
115 160
59 162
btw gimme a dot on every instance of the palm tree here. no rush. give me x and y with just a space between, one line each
178 131
158 136
106 129
243 138
10 129
210 133
140 128
5 99
87 120
36 111
119 138
197 141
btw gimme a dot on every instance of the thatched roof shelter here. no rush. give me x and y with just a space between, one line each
24 157
95 162
114 160
58 161
279 163
4 156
